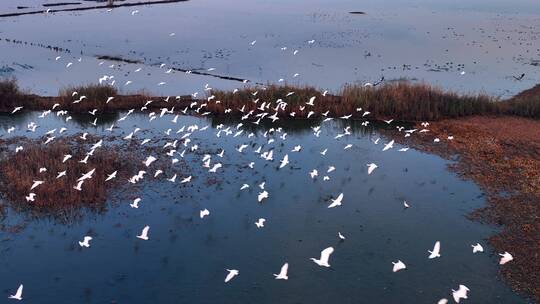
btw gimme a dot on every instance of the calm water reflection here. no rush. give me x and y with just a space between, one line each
186 257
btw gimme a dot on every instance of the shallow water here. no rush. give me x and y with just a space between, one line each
186 257
423 40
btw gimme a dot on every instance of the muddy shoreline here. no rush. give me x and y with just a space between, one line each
502 155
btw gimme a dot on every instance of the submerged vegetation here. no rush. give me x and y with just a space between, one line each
399 100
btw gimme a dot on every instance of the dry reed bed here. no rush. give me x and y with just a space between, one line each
18 172
399 100
96 98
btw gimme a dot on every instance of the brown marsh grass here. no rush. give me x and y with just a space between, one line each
399 100
18 172
416 102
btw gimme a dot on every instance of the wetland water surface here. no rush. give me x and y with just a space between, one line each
431 41
186 256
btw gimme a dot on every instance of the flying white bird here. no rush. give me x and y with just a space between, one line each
477 248
283 272
87 175
389 145
232 273
85 242
144 233
260 223
135 203
336 202
111 176
371 167
296 148
325 256
31 197
172 179
204 213
461 293
18 294
284 162
436 253
262 195
35 184
16 109
341 236
215 167
399 265
149 160
505 258
78 187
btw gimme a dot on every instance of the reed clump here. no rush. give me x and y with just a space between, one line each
10 94
526 103
400 100
417 102
96 97
19 171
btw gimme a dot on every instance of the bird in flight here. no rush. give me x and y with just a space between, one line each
260 223
477 248
283 272
436 251
232 273
85 242
461 293
325 256
18 294
336 202
399 265
144 233
505 258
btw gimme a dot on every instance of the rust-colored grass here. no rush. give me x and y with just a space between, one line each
399 100
416 102
20 170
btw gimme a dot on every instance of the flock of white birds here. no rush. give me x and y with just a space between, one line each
255 117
